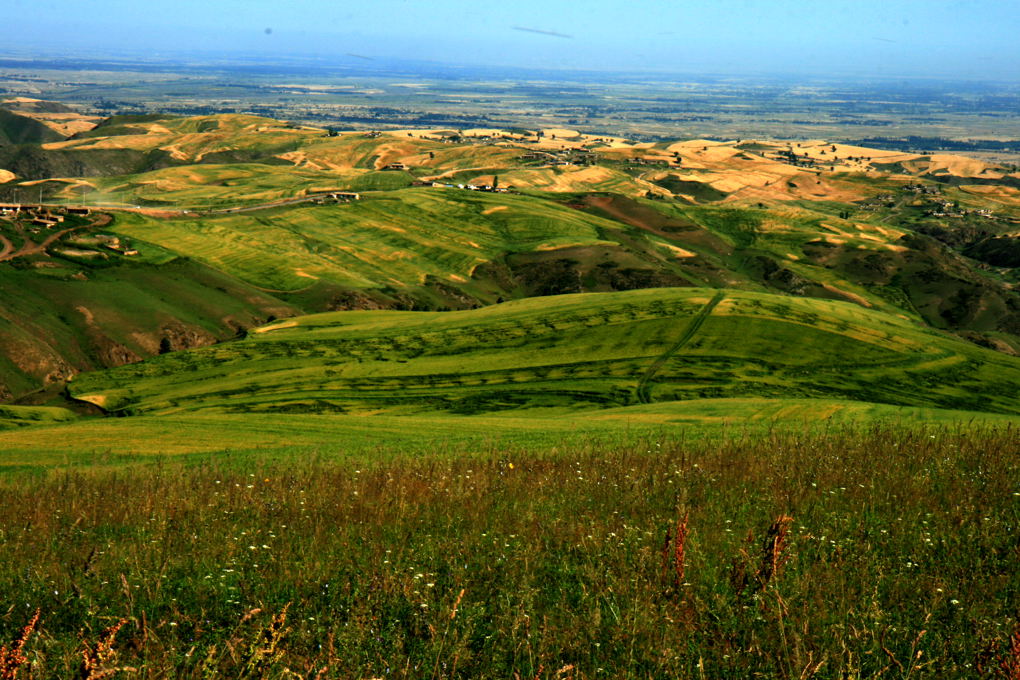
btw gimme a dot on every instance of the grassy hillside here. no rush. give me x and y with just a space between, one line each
569 352
17 129
227 185
928 238
391 239
12 417
635 243
81 315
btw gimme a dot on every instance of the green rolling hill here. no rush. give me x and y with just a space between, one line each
60 320
392 239
228 235
571 352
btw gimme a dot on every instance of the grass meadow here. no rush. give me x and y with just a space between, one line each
842 552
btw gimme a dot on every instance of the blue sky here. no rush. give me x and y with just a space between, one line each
935 38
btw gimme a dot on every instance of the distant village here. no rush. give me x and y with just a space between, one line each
932 202
941 207
42 216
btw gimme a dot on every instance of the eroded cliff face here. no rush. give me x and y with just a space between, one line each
34 361
176 336
31 362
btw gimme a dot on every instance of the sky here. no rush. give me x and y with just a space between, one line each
968 39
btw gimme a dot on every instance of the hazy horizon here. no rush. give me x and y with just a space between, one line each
965 39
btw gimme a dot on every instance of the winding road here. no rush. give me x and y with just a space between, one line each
30 247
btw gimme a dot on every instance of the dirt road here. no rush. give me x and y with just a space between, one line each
7 249
29 247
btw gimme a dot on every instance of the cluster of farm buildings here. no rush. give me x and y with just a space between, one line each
39 215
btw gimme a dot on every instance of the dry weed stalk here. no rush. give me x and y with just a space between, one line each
771 559
264 650
773 555
94 658
12 658
680 550
1009 664
811 667
249 615
446 632
456 603
677 537
253 653
738 571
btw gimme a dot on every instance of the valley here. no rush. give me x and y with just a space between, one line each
285 400
246 219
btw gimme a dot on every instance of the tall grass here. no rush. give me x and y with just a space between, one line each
850 554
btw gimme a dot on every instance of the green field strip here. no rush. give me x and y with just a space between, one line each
32 416
601 348
643 391
112 443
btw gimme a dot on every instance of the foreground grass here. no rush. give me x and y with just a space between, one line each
877 553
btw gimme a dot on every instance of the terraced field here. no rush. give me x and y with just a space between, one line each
569 352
